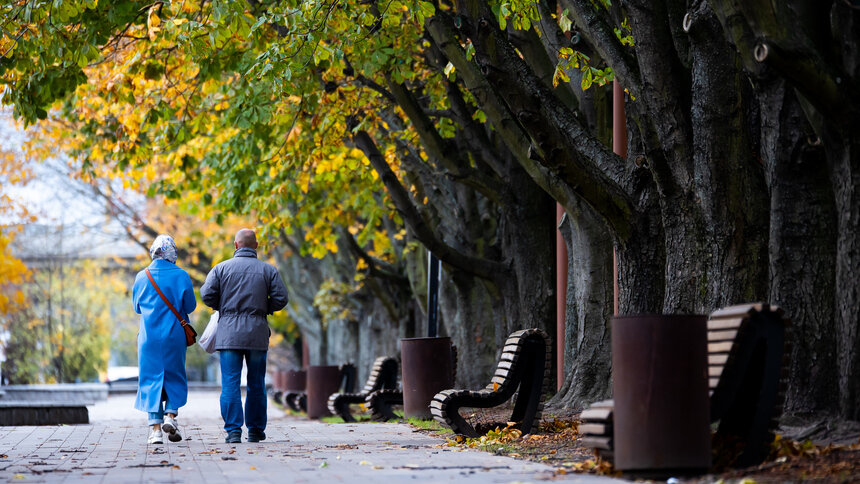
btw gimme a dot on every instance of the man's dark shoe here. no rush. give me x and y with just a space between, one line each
234 437
255 435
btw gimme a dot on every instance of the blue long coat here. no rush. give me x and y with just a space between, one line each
161 340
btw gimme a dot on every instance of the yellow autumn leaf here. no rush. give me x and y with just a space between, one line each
153 22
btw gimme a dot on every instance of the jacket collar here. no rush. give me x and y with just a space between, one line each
162 264
245 252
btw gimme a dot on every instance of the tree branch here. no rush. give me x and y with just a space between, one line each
376 267
596 26
443 151
667 95
787 50
483 268
565 158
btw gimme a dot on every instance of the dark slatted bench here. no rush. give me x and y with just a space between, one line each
383 375
297 401
381 401
596 427
523 370
748 351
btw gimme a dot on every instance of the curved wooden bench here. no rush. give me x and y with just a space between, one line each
748 376
383 375
380 402
748 352
523 370
297 401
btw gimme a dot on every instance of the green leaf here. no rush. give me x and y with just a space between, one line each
586 80
564 21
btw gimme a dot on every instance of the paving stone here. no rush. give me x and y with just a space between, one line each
113 449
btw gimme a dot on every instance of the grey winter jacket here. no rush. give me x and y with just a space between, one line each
244 290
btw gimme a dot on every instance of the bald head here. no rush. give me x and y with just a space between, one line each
245 238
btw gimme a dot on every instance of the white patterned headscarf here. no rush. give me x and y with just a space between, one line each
163 248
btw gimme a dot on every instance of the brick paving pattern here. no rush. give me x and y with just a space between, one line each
113 449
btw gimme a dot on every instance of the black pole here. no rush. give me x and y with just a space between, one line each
432 295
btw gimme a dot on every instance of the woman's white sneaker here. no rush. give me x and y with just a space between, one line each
172 428
156 437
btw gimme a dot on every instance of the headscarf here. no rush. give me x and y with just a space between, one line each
163 248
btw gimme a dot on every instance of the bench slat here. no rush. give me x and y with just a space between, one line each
722 324
739 310
597 442
720 347
724 335
718 358
599 414
594 429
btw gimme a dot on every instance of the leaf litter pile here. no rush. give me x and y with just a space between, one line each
558 444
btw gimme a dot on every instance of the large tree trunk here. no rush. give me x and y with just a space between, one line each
843 151
730 182
487 312
845 176
846 181
587 361
470 314
802 247
527 236
302 276
814 48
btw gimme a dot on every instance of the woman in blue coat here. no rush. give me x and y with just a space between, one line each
162 386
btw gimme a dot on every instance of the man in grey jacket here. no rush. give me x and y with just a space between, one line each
244 290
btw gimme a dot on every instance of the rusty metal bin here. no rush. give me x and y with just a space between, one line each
295 380
660 387
428 368
322 381
280 380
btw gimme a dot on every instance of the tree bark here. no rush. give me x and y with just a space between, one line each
587 358
802 247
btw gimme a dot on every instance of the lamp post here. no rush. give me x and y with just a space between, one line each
427 363
433 264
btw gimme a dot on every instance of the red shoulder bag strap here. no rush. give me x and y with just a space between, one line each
175 312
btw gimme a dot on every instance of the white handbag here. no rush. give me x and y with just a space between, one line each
207 340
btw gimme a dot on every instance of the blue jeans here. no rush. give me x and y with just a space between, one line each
158 417
231 396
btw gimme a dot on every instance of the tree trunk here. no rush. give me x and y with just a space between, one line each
802 247
484 313
730 182
846 182
302 280
587 358
470 313
814 48
527 234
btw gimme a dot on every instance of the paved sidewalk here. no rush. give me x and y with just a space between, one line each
113 449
